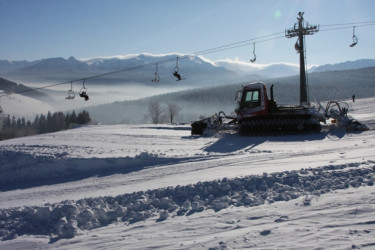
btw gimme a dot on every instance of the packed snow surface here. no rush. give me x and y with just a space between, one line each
156 186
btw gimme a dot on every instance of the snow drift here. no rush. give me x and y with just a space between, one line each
68 218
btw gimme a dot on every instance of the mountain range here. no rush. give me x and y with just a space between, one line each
348 65
141 69
118 104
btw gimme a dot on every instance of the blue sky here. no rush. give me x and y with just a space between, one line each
37 29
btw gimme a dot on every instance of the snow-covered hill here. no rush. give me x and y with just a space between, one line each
156 186
260 71
349 65
23 106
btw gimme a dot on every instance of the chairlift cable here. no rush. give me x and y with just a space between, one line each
224 47
351 24
202 52
347 27
176 68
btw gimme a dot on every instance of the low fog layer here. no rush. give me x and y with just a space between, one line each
323 86
206 90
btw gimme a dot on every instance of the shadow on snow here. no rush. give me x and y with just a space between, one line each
41 171
230 143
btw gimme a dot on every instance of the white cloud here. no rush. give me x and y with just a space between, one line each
230 63
128 56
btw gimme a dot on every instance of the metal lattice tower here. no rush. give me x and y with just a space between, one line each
300 29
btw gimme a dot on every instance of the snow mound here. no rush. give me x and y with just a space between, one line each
70 218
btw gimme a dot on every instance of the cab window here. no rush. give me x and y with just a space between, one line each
252 98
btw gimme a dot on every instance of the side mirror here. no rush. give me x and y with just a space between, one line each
238 96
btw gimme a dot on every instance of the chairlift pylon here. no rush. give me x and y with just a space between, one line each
176 73
355 39
71 94
157 77
83 91
255 56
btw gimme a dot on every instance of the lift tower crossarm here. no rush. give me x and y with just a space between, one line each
301 29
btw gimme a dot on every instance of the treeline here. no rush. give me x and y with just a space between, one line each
13 127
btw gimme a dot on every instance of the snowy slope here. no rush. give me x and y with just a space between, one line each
145 186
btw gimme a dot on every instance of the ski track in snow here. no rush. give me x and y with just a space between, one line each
144 182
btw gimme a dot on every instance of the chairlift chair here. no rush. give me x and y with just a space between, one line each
83 92
176 73
71 94
355 39
255 56
157 77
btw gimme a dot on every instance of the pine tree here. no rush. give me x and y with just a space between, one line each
73 118
42 128
35 124
83 117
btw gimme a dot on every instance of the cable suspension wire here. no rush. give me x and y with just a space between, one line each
351 24
347 26
224 47
243 43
